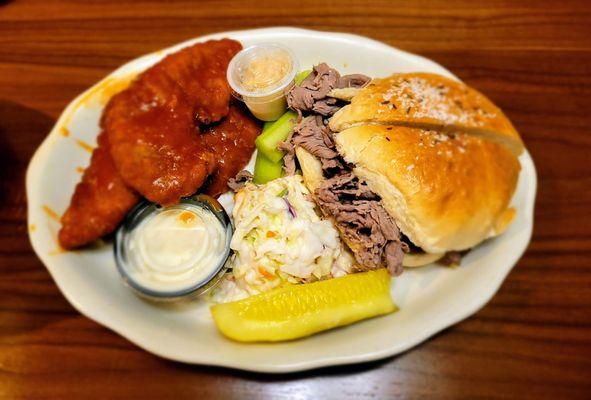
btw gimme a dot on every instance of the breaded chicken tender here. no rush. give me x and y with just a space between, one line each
154 125
152 145
232 141
99 203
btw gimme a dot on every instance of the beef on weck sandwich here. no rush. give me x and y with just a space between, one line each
417 166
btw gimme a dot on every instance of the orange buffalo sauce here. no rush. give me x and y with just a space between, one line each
86 146
50 213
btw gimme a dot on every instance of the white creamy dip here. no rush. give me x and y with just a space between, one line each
176 249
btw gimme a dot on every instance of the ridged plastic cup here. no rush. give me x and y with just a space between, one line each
267 104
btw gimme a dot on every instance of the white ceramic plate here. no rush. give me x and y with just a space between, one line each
430 298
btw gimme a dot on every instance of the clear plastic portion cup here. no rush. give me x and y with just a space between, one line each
260 76
125 262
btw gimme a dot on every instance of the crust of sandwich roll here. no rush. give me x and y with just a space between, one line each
446 192
428 101
419 260
311 169
345 94
312 172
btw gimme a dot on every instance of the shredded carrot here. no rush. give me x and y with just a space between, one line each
266 273
271 234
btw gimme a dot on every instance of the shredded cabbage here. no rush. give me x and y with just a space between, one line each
279 239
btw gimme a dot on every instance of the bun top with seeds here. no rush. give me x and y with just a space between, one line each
428 101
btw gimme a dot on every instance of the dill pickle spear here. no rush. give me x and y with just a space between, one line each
295 311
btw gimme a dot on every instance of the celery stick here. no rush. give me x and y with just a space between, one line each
268 141
265 170
267 125
278 131
301 76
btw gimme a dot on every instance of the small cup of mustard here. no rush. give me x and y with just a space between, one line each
261 75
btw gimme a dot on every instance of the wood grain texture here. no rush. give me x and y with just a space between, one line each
533 58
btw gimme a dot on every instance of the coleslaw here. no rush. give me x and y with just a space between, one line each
280 239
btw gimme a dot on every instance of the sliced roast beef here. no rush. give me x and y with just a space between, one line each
313 89
289 162
312 94
313 135
239 180
360 216
327 106
394 254
451 258
356 210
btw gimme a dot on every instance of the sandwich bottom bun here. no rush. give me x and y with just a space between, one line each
421 259
445 192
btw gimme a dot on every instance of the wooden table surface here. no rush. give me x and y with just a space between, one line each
533 58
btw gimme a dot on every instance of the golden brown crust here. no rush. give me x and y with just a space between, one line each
446 192
99 203
428 101
153 126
